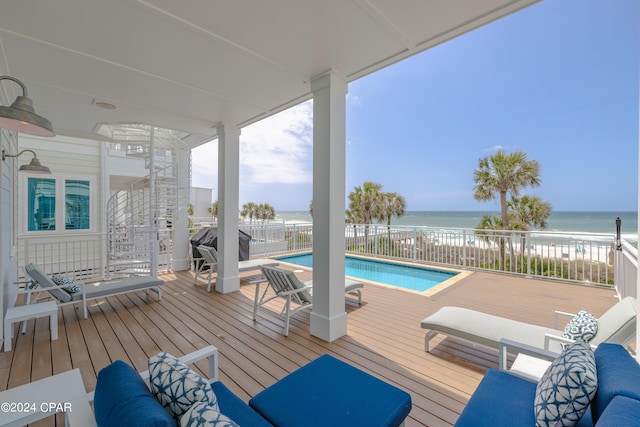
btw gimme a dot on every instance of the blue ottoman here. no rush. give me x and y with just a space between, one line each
329 392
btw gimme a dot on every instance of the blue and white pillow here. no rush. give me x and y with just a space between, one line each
176 386
567 387
204 415
70 285
583 326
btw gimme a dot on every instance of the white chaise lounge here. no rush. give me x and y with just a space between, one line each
617 325
210 260
90 291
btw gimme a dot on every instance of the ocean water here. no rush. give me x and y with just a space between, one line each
586 222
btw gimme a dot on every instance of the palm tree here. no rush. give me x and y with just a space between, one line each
249 210
364 202
503 173
529 211
526 212
492 224
392 204
265 212
364 205
213 210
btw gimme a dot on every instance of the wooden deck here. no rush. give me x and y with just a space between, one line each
384 337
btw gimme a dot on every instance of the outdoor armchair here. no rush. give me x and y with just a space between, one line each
286 285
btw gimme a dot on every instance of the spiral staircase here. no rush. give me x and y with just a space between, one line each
140 214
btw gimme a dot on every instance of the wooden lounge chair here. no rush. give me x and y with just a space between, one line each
617 325
210 260
89 291
285 284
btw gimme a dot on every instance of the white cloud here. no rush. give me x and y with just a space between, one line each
353 99
494 148
278 149
274 150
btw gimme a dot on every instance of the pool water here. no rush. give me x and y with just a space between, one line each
404 276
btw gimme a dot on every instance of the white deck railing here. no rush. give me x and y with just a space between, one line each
626 271
586 258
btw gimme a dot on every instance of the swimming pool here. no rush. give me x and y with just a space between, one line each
404 276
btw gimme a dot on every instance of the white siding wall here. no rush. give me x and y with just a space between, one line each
8 240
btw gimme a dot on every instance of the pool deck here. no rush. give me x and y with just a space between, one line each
383 338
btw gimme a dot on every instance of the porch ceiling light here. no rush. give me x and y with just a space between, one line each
34 167
21 116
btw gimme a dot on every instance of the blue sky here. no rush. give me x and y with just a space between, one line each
558 80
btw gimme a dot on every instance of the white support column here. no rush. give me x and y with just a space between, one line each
153 204
328 318
228 279
180 224
638 270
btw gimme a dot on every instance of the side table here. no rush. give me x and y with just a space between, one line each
27 312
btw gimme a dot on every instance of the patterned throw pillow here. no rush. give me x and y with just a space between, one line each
176 386
70 285
567 387
583 326
204 415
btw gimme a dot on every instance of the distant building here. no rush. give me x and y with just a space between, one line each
201 199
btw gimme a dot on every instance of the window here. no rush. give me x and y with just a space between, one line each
58 204
77 206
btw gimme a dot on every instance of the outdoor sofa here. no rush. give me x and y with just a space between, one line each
600 388
324 392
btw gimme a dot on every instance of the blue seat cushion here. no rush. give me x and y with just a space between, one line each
236 409
329 392
618 374
122 399
621 412
501 399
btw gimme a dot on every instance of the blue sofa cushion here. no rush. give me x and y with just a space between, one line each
236 409
618 374
201 414
565 390
501 400
621 412
176 386
122 399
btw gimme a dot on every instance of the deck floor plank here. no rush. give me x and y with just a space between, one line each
384 336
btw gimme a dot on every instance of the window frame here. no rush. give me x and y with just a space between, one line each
60 203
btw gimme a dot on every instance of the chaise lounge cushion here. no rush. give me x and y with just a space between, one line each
111 287
122 398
